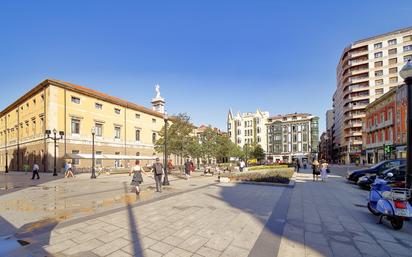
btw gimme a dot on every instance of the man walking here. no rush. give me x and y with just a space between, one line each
188 167
158 172
35 171
241 165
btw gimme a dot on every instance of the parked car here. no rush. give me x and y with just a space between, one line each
397 171
353 176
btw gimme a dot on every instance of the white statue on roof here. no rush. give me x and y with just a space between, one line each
157 88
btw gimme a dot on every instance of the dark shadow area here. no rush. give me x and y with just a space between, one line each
137 248
31 237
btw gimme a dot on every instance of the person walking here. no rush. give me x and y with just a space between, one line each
324 171
157 169
241 165
68 170
315 170
169 166
36 169
297 165
188 167
137 176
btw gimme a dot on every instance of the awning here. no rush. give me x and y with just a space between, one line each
108 157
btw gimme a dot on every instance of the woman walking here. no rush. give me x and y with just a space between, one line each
315 170
137 176
324 171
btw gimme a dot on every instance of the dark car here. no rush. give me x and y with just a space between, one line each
398 176
353 176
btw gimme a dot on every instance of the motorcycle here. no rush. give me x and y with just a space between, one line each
388 202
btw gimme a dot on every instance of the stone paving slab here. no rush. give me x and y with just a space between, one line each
331 219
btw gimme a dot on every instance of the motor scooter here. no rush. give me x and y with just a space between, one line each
388 202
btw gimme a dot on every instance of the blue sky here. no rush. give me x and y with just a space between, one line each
207 56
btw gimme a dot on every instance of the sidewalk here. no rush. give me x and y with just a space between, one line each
331 219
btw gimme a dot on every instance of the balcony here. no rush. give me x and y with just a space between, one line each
354 54
355 107
354 134
358 79
379 144
381 125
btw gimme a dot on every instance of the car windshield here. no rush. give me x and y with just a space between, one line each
377 165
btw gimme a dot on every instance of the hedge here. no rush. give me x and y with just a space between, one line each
274 176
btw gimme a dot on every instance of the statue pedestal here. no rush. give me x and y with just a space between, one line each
158 104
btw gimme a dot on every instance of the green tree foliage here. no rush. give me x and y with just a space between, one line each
258 153
179 136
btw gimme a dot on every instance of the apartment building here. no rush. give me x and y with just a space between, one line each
248 128
123 130
367 69
385 126
292 136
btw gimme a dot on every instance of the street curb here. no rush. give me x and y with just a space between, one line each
291 183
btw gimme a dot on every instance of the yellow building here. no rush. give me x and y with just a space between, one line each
123 129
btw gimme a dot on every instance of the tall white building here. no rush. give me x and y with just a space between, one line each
367 69
248 128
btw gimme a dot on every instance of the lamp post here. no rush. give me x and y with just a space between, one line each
166 178
406 74
6 132
93 157
55 139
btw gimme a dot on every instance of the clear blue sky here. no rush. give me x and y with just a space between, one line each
207 56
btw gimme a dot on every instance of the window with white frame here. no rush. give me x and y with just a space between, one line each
75 126
137 135
75 100
98 129
117 132
98 106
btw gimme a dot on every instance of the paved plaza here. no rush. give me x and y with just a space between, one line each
198 217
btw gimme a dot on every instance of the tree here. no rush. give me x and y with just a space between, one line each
209 143
247 151
258 153
179 136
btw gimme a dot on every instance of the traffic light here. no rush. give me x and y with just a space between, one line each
389 148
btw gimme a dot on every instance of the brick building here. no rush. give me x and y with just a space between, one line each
384 126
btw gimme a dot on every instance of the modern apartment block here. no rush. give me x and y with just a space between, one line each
123 130
367 69
248 128
292 136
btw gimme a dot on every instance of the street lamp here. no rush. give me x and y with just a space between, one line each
93 157
166 178
55 139
406 74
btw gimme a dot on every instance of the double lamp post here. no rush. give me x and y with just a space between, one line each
55 139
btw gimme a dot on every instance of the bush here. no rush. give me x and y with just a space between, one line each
273 176
267 167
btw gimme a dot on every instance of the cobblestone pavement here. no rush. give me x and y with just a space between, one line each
331 219
211 220
201 218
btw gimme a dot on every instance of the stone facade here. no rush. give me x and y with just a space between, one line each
293 136
122 128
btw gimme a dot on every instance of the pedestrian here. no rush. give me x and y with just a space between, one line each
315 171
35 171
68 170
241 165
137 176
324 171
169 166
188 167
157 169
297 165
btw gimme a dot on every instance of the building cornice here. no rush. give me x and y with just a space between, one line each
82 90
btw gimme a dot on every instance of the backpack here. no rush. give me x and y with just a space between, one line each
158 169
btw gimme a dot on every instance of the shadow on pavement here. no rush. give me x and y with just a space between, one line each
137 248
